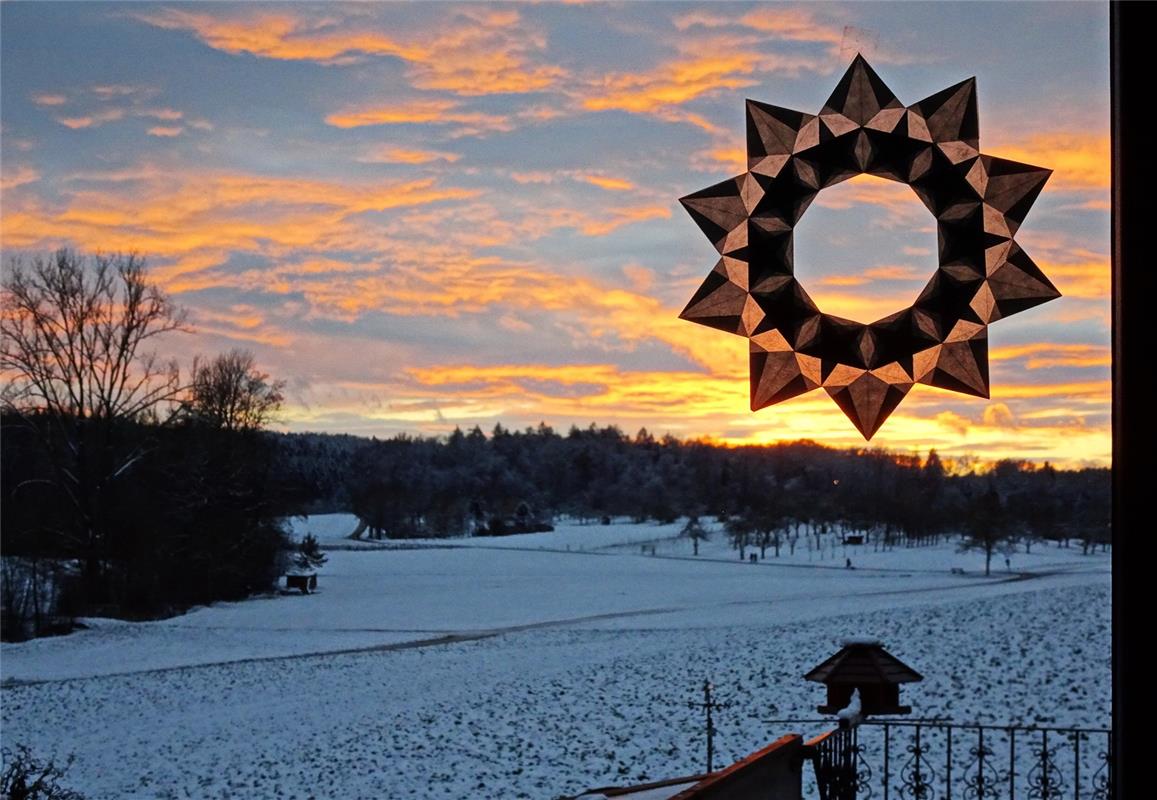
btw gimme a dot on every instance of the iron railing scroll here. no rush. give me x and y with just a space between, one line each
943 760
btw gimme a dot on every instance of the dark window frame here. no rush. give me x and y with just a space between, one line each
1134 436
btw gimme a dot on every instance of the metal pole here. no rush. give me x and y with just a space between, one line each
887 747
980 764
1113 776
710 726
1077 761
948 770
1011 764
919 776
1044 756
853 755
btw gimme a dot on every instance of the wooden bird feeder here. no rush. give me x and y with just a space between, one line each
864 664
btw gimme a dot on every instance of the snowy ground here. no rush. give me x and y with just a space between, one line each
539 665
333 530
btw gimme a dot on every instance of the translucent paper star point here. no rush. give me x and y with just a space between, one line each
979 203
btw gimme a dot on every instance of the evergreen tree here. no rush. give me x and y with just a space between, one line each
309 555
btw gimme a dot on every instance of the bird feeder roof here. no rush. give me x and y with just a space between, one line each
861 662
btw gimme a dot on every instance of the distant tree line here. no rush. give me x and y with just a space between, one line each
767 495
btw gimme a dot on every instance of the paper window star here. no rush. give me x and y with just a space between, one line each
979 202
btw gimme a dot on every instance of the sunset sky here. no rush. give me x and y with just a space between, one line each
431 215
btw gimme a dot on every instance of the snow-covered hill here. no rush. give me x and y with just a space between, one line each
534 666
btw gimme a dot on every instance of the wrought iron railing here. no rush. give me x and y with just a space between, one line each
839 768
943 760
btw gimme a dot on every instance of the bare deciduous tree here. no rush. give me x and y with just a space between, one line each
695 531
230 393
73 336
986 525
73 332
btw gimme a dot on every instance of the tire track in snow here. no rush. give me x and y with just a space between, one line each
445 639
458 637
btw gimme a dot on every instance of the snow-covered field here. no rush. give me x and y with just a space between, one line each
539 665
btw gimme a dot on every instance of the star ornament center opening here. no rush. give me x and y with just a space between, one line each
979 202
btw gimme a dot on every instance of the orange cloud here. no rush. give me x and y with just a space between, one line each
49 99
672 83
18 142
1066 259
896 273
276 35
120 90
163 114
791 24
198 216
1042 355
786 24
859 306
166 131
730 160
512 323
609 183
998 415
541 113
18 176
518 218
704 65
241 323
489 53
622 216
641 278
1098 391
702 18
899 203
1080 161
430 112
388 154
682 116
1092 204
473 51
843 280
193 224
437 282
886 273
534 177
91 120
1086 280
954 422
603 388
131 102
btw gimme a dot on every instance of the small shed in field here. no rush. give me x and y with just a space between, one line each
304 581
